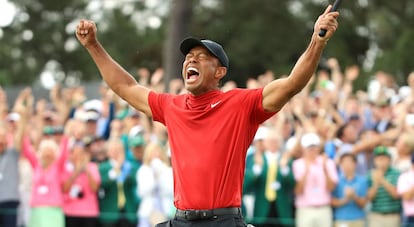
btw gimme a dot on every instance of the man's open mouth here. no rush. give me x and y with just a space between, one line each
192 73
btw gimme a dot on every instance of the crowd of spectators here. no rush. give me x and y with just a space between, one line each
333 156
344 157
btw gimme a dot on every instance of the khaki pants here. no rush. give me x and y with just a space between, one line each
314 217
357 223
384 220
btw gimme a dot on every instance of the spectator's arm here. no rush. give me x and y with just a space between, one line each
360 201
330 181
408 195
372 192
23 107
298 110
67 184
28 153
300 185
64 151
94 181
390 188
38 120
336 202
285 173
367 144
60 99
360 196
254 172
336 74
300 180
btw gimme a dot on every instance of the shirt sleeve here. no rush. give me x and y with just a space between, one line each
254 98
157 103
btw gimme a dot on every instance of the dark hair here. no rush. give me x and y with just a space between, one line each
348 155
340 131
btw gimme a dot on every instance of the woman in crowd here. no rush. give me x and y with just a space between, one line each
157 192
81 182
46 197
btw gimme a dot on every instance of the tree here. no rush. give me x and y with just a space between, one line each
37 36
177 30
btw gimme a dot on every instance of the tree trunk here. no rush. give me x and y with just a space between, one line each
178 23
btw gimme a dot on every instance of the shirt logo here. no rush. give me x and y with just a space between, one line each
215 104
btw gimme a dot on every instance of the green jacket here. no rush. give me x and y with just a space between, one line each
108 193
256 185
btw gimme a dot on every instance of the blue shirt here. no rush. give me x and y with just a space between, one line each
350 211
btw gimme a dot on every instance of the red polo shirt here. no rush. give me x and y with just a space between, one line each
209 136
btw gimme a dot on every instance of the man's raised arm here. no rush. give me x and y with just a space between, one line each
117 78
279 91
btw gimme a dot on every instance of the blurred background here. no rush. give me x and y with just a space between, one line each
38 46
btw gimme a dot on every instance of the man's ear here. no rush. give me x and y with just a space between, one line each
221 72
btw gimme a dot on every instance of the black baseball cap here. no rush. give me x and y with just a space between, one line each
214 48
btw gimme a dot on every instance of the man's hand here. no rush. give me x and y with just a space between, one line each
326 21
377 176
349 193
86 32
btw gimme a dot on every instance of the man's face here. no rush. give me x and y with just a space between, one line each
312 151
138 152
350 134
201 71
348 165
382 162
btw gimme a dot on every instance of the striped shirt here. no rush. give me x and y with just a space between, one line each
383 202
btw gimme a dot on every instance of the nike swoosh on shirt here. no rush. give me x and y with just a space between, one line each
215 104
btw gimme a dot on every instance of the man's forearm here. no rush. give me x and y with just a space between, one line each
113 74
409 195
390 188
119 80
330 184
306 65
372 191
360 201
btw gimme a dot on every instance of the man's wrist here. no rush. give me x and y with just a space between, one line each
319 41
93 45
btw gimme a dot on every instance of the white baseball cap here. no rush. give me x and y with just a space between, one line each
309 140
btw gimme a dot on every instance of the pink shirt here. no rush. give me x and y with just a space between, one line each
47 184
85 205
315 192
404 184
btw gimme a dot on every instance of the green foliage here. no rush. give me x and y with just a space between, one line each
258 35
268 37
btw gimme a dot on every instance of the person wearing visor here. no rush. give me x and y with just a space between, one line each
316 177
209 130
